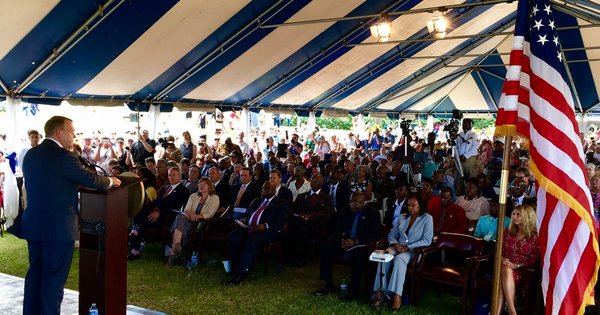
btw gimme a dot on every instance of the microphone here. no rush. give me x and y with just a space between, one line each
81 159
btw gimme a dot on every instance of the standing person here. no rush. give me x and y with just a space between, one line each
143 148
52 177
467 146
188 149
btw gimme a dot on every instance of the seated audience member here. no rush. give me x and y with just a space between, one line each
356 228
200 205
221 187
151 194
517 194
150 164
338 190
234 178
259 174
362 182
162 172
396 206
487 190
299 184
397 175
241 195
172 196
474 204
449 217
172 153
349 172
264 222
413 229
440 179
225 168
383 187
280 191
191 183
524 174
116 170
310 212
184 166
487 225
520 249
432 200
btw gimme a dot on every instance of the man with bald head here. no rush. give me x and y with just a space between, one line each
264 220
311 210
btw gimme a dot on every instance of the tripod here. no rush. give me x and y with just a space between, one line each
406 167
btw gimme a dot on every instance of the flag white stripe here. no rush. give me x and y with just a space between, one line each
540 212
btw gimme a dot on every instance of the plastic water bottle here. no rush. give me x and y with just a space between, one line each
194 260
344 289
94 309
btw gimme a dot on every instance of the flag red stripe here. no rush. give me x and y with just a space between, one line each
576 292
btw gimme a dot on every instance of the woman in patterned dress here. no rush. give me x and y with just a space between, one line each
520 249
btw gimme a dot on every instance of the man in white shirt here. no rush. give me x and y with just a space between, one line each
467 145
243 145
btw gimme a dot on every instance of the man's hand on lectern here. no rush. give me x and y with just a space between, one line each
115 182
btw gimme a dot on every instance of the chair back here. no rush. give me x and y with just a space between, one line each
457 242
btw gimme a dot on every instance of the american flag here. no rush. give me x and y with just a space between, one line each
537 104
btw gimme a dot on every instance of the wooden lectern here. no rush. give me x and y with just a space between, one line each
103 248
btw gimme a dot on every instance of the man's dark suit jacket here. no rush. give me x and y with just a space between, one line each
368 229
252 191
222 189
226 175
391 207
275 216
318 209
52 177
342 195
176 200
286 194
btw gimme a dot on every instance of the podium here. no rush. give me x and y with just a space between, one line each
103 248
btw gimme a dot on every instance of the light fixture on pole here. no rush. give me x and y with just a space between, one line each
438 26
382 29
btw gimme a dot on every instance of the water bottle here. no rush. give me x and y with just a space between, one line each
344 289
94 309
194 260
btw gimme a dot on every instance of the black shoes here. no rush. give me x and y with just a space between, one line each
132 257
324 291
237 279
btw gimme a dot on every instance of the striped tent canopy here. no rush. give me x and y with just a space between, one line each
293 54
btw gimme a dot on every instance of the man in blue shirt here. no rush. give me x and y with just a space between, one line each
375 141
487 225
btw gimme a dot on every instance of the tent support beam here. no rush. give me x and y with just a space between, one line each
487 91
331 49
571 8
451 90
594 106
86 28
3 87
443 8
490 54
431 39
492 74
217 52
506 65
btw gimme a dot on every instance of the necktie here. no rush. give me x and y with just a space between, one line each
240 194
168 191
354 226
333 192
256 215
313 197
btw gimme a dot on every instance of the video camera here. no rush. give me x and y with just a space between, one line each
405 126
453 126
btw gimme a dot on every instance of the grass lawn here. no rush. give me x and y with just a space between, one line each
202 291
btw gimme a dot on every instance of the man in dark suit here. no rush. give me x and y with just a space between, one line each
172 196
241 195
50 221
221 186
396 206
338 190
357 227
265 220
280 191
311 211
225 168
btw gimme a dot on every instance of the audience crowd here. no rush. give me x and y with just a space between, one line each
341 196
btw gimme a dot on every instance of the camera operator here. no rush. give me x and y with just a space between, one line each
143 148
467 145
104 153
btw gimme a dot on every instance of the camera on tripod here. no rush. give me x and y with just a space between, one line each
453 126
405 126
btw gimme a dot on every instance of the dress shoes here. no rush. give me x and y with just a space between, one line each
132 257
324 291
396 302
237 279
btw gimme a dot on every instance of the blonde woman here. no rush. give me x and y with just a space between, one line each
520 249
201 205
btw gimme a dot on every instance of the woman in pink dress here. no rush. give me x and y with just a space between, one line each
520 249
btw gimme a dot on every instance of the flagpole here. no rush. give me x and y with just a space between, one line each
496 285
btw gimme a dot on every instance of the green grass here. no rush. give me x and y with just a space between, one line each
202 291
